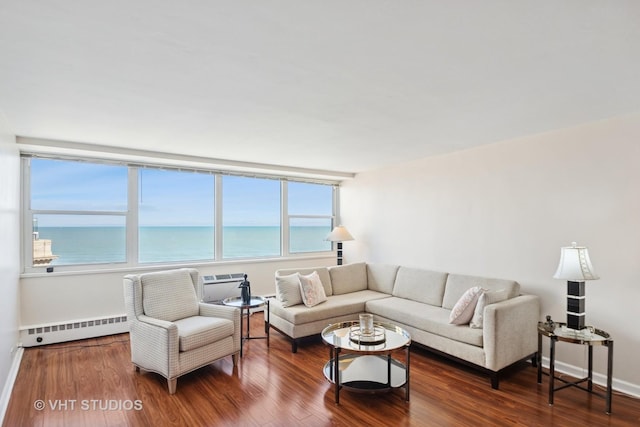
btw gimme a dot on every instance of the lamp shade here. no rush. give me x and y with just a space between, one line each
575 264
339 234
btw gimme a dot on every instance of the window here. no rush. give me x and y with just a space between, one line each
175 216
251 217
80 212
310 216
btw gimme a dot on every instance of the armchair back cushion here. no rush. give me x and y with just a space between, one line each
169 295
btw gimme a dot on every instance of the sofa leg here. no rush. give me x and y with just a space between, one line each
234 358
294 346
172 385
495 382
534 360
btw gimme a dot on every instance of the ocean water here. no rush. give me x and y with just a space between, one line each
88 245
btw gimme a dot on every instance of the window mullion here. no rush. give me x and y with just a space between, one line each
284 221
76 212
27 228
217 206
132 225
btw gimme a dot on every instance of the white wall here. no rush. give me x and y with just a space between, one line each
504 210
9 255
58 297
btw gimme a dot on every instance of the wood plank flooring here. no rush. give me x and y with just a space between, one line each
92 383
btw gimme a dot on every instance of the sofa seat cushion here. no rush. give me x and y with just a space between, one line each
425 317
198 331
335 306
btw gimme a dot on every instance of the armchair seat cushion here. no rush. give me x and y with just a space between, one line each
198 331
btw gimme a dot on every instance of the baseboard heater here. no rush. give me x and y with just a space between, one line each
215 288
52 333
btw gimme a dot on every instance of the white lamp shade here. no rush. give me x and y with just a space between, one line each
575 264
339 234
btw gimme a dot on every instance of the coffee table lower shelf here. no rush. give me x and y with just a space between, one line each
367 373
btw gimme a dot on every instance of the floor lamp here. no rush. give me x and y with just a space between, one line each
339 234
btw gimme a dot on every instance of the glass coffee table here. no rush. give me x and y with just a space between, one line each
365 364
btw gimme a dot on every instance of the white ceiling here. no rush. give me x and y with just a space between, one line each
346 85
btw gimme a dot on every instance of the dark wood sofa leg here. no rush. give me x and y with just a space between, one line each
294 346
495 382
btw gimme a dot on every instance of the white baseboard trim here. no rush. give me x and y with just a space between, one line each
8 385
600 379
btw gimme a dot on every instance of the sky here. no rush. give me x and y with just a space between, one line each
166 197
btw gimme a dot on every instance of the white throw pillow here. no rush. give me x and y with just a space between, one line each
487 297
312 289
462 312
288 290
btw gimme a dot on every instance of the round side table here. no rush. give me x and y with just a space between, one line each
591 337
245 309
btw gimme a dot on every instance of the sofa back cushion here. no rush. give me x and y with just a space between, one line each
169 295
420 285
323 272
381 277
348 278
457 285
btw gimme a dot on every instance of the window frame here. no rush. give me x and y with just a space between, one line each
131 215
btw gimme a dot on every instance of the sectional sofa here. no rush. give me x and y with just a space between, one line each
502 329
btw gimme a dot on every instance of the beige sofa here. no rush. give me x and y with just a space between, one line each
421 302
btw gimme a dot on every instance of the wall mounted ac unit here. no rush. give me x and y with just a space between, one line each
217 287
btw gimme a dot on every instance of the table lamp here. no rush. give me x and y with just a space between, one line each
339 234
575 267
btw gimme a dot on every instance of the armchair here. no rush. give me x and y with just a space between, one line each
171 331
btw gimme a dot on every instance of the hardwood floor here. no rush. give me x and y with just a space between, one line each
93 383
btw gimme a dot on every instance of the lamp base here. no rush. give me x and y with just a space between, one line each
575 321
575 305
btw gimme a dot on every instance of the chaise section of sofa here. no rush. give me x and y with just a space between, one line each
346 289
421 301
